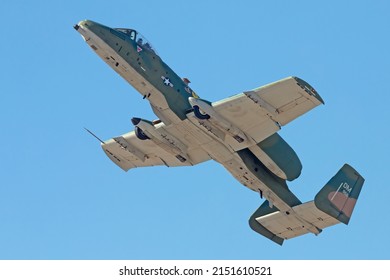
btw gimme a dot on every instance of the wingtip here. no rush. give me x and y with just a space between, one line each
309 89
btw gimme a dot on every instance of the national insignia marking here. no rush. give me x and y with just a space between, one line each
166 81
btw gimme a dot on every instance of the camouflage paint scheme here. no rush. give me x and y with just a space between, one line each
240 132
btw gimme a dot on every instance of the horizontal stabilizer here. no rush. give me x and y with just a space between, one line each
286 226
332 205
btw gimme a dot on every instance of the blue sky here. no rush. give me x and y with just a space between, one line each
62 198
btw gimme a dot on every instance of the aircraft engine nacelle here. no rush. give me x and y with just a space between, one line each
138 131
140 134
145 129
278 157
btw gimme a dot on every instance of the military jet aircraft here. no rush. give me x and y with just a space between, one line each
239 132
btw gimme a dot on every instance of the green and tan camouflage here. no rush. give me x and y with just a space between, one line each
239 132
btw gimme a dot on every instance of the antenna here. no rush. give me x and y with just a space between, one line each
90 132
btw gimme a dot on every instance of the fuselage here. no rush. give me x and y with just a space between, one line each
132 57
174 102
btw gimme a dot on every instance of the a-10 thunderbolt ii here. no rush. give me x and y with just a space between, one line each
239 132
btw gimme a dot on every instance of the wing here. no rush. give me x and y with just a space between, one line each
127 151
260 112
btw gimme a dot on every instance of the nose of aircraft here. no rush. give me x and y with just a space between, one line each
84 24
90 29
89 25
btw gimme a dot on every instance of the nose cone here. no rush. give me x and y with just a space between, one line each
87 23
92 32
84 24
90 26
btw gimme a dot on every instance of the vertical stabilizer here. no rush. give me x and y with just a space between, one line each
339 196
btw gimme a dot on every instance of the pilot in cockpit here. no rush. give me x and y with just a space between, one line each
148 46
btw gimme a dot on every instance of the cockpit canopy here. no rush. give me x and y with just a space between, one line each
137 37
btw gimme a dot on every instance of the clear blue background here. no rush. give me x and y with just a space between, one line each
62 198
